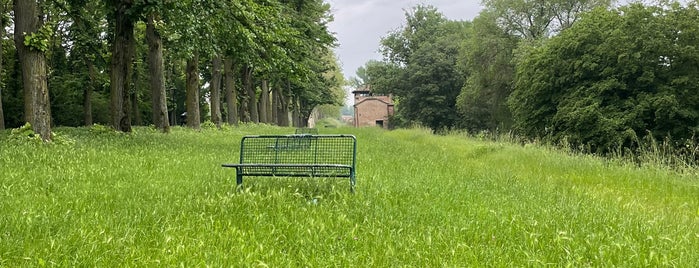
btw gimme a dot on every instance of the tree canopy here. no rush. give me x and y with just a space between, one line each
578 72
112 61
419 68
613 77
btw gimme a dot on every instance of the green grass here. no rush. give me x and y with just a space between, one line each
149 199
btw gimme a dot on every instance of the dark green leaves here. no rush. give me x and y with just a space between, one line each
420 68
613 76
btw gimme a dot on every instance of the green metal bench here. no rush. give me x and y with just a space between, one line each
297 156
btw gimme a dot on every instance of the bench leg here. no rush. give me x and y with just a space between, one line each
352 182
239 179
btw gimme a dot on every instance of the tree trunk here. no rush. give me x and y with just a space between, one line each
157 76
270 105
296 113
87 93
304 113
33 62
231 93
284 115
252 98
122 57
2 117
304 120
133 97
276 104
135 111
173 113
284 107
264 102
215 87
193 116
2 33
92 76
243 108
171 73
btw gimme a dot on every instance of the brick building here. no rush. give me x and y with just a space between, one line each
370 109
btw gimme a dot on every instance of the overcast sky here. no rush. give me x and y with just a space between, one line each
360 24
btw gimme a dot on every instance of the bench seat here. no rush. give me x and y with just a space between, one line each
292 170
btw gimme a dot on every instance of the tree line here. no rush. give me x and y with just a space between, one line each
160 62
586 73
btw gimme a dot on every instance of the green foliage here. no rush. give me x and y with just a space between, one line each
534 20
98 129
420 69
488 55
380 76
41 39
330 123
150 199
324 87
12 93
67 98
313 73
25 134
328 111
487 58
283 40
611 77
208 125
666 152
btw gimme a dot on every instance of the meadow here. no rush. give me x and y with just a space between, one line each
98 198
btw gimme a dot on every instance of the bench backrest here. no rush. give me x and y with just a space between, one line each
299 149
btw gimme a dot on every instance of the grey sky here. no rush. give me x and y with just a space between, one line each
360 24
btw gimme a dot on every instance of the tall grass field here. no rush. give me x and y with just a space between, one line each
97 198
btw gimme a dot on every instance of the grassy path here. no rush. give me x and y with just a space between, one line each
148 199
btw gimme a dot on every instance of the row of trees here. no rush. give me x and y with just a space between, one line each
126 62
577 71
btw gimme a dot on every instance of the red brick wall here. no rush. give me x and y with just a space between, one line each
370 109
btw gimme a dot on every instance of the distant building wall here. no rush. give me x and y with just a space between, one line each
372 111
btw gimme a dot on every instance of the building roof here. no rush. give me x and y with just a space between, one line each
374 98
362 89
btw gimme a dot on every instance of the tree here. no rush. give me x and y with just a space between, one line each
535 19
192 89
612 77
31 40
264 101
281 42
157 75
80 43
121 67
425 77
487 59
3 23
381 76
488 56
310 60
243 23
324 88
231 92
192 38
252 114
215 89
